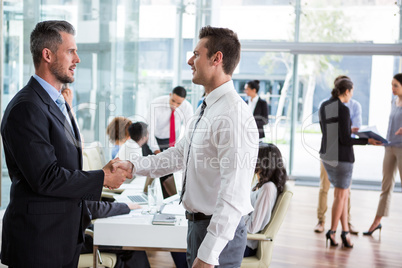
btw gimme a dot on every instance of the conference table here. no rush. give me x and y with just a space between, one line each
135 231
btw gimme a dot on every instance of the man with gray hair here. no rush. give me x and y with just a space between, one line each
45 220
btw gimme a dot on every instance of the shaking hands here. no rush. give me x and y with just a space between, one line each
116 172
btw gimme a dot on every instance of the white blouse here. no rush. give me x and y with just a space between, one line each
263 201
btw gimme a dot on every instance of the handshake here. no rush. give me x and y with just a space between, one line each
116 172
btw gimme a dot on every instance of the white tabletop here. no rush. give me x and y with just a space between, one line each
136 229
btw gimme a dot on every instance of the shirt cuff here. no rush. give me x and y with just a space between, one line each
210 249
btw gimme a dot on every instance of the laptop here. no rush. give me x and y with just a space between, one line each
142 198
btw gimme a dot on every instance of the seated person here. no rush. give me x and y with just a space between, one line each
131 149
270 181
117 130
125 258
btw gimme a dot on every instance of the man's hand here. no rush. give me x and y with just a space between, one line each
114 177
201 264
68 96
123 164
132 206
399 131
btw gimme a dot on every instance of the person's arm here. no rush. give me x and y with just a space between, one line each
28 138
166 162
345 129
151 117
259 218
104 209
264 112
234 197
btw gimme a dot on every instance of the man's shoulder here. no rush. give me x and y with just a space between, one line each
160 99
26 95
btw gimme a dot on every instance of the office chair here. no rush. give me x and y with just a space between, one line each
105 259
93 157
266 237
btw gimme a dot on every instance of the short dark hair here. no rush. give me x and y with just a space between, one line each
254 84
398 77
47 35
225 41
341 86
180 91
138 130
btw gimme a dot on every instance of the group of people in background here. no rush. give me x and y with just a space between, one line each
340 119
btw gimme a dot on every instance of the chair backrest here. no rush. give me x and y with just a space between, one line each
265 248
93 157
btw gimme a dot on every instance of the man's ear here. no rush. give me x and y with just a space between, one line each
47 55
217 58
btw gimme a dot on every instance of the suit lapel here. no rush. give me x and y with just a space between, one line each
55 110
257 108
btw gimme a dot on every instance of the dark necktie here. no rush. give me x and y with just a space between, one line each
203 106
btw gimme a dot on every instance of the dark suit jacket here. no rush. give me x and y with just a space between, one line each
47 213
337 143
261 116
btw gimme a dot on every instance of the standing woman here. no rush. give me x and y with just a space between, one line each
337 154
258 106
392 156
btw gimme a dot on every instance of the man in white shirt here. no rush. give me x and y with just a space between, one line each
217 156
167 115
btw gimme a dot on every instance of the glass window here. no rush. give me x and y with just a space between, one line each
371 76
349 21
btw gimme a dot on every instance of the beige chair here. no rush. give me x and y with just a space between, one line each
104 259
93 157
266 237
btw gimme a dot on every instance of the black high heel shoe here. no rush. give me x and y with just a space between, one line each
328 235
379 226
345 242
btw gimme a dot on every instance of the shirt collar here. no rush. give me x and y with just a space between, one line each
255 99
133 143
218 92
53 93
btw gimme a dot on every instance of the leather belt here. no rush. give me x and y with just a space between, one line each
197 216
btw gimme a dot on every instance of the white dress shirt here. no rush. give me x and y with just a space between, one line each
130 150
159 120
263 201
252 103
220 167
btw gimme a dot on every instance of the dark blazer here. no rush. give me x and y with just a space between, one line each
261 116
47 213
337 143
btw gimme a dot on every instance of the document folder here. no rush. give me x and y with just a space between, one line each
370 134
164 219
